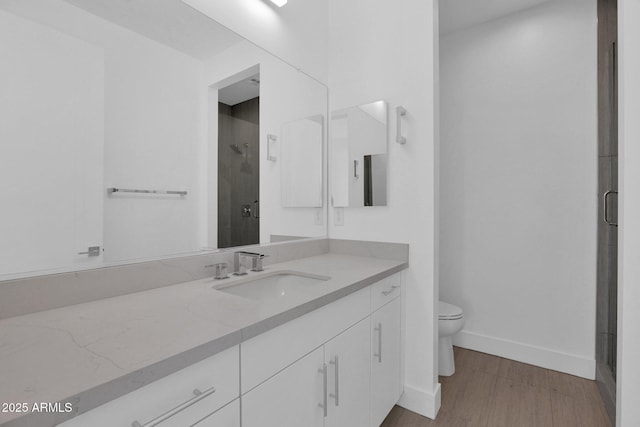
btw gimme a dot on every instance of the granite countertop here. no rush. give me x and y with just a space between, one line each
90 353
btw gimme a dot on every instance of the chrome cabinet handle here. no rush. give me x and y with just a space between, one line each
400 112
324 405
355 169
197 396
606 208
336 393
390 291
378 329
91 251
271 139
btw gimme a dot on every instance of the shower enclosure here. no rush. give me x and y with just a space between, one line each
238 173
607 287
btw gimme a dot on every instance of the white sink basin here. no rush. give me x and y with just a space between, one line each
273 285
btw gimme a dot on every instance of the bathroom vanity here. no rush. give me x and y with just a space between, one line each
325 354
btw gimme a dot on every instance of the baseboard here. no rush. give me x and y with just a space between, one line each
525 353
420 401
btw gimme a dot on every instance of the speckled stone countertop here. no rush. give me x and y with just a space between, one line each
90 353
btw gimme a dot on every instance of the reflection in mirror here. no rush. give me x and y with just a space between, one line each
375 180
359 155
119 94
302 162
238 163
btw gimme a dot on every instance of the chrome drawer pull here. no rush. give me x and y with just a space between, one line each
378 329
390 291
336 393
197 397
324 405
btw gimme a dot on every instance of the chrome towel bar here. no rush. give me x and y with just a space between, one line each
112 190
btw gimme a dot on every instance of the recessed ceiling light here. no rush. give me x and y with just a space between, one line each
279 3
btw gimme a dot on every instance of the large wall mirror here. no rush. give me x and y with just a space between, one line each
359 155
301 147
139 130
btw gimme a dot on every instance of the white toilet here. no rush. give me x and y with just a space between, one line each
450 321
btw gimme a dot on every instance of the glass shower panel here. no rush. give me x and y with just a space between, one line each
607 286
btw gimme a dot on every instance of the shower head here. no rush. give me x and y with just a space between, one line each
235 148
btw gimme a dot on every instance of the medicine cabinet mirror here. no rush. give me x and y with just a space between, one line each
359 155
127 127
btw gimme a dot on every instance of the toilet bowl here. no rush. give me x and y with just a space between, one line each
450 321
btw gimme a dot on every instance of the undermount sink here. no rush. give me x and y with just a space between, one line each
273 285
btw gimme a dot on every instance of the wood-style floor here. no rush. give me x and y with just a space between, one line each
489 391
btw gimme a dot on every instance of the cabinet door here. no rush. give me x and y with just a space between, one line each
290 398
385 362
229 416
269 353
349 371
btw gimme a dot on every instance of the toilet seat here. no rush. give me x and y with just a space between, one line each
449 311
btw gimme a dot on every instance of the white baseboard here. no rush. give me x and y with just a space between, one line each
525 353
420 401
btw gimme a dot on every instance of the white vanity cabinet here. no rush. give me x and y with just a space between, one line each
289 373
328 387
184 398
338 366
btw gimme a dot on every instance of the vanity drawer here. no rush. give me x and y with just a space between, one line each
385 290
216 378
267 354
229 416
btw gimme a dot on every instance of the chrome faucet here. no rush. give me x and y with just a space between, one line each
239 269
221 270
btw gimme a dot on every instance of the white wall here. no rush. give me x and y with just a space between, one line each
518 190
297 32
301 150
628 382
285 95
154 106
386 50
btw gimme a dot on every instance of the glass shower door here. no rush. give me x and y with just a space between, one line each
607 287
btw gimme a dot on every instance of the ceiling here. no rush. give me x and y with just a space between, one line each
459 14
170 22
241 91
